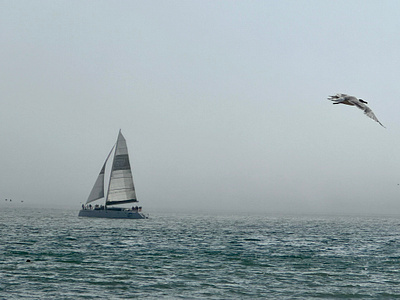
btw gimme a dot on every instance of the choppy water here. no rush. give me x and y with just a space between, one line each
197 256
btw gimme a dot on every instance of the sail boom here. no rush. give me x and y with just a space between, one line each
121 202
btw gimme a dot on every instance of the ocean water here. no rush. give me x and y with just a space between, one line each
181 256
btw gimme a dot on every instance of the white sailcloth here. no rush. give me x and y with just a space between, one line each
121 188
98 188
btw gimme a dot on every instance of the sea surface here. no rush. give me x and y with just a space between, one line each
197 256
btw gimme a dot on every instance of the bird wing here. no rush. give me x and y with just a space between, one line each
367 110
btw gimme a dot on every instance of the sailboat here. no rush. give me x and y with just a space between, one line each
121 189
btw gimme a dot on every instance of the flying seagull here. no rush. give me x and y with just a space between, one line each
351 100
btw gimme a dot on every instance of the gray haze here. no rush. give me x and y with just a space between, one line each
223 103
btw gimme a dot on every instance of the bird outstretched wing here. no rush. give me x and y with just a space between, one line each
367 111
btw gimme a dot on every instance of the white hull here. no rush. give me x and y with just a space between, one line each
111 214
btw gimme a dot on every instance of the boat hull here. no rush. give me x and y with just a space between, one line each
111 214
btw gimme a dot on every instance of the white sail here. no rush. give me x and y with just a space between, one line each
98 188
121 188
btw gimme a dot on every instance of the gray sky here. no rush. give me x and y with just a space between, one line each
223 103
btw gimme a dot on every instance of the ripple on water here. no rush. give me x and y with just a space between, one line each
197 256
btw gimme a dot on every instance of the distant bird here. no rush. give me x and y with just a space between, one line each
351 100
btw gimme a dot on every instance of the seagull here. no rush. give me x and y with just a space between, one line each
351 100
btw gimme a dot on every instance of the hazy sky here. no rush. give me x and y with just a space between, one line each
223 103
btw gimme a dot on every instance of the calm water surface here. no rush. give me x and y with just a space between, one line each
197 256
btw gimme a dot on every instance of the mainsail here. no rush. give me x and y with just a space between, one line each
98 188
121 188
